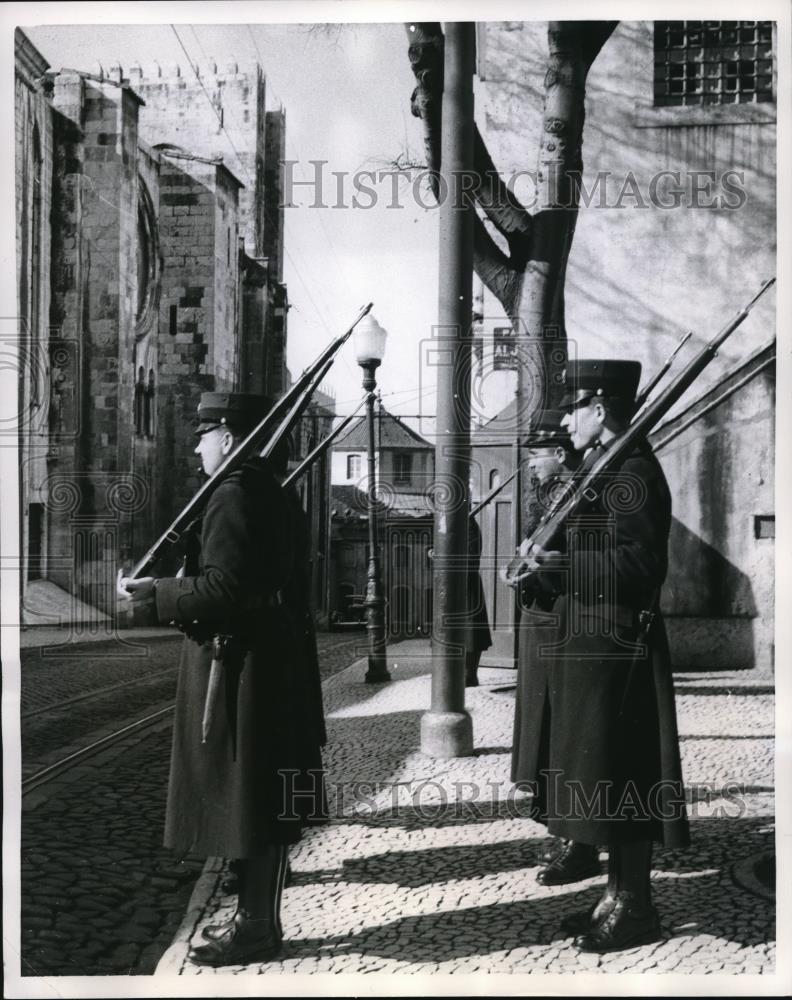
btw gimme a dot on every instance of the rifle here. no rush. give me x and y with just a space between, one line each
321 448
589 487
492 494
648 389
216 668
278 422
643 395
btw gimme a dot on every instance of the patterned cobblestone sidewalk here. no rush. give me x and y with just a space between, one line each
430 866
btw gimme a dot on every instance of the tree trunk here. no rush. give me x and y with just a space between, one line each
528 279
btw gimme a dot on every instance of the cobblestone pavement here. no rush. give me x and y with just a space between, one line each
99 893
430 866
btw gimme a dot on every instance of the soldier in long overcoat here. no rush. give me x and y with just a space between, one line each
551 460
610 765
250 788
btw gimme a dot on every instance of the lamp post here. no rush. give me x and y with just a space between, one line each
369 339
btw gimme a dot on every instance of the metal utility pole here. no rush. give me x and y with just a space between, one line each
447 729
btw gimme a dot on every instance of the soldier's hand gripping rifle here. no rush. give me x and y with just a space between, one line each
271 429
589 486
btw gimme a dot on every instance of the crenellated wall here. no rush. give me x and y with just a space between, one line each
199 113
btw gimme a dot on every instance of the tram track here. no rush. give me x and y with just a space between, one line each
101 895
57 768
54 707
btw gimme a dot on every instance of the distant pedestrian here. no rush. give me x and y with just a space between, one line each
249 790
478 636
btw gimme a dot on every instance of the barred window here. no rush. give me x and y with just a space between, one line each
712 62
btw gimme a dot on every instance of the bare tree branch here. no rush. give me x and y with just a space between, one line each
495 269
529 279
595 35
496 200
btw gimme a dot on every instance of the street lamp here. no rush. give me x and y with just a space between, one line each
369 340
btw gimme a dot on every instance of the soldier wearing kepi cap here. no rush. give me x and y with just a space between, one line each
610 752
250 788
551 459
603 379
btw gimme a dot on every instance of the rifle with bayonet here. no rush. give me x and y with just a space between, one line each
586 488
272 429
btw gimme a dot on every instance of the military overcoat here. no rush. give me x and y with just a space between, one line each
595 728
258 777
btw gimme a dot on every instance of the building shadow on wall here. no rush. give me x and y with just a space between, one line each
709 606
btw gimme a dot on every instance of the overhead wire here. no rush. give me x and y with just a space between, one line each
299 161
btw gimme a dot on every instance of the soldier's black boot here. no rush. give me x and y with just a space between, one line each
551 853
631 919
573 863
585 920
244 941
254 933
230 884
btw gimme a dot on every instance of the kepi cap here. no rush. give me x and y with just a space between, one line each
241 410
583 380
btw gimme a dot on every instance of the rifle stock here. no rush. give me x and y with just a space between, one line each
590 485
278 422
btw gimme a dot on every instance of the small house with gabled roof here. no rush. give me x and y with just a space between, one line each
405 522
405 460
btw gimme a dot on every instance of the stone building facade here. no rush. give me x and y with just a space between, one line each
676 232
33 167
150 269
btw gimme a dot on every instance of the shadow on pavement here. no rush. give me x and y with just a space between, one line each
693 891
412 869
688 907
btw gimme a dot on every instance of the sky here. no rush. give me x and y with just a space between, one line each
346 91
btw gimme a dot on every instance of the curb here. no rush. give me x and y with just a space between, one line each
172 962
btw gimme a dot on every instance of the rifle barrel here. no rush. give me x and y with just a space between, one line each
291 404
322 447
590 484
492 494
647 391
